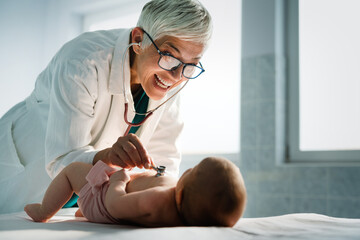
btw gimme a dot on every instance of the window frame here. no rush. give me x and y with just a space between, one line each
293 153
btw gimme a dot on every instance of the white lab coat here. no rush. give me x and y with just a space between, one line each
75 110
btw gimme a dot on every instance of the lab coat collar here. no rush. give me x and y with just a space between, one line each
116 86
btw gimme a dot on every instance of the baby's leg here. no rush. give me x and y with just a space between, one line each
71 179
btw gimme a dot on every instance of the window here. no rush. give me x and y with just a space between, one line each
211 102
324 80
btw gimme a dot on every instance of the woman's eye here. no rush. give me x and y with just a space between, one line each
168 57
167 53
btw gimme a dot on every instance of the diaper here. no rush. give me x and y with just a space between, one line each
92 196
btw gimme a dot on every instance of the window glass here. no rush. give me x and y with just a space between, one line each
329 79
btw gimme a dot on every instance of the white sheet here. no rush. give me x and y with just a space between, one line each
293 226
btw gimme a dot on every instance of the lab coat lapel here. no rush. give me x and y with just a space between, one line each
148 128
118 65
119 81
115 126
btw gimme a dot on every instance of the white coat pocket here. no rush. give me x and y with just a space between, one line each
10 164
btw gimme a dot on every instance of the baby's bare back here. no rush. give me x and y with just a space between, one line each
146 180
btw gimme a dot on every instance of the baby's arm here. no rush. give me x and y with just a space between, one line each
124 205
117 186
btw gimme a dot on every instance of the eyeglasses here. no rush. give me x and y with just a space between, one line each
171 63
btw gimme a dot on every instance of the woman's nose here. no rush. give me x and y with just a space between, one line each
177 73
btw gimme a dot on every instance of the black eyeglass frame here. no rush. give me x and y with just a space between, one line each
181 62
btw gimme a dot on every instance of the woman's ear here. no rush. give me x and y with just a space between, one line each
136 38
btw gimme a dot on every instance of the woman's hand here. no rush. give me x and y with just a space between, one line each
127 152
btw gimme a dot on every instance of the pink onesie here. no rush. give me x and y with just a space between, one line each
92 196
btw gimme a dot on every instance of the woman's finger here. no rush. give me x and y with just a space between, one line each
114 159
129 152
119 157
132 153
125 158
144 157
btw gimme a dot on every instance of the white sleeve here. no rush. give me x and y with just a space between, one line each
163 145
73 95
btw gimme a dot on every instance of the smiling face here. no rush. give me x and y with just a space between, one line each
145 70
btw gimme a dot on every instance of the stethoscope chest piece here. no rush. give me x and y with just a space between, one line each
160 170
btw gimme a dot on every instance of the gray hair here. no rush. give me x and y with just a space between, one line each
185 19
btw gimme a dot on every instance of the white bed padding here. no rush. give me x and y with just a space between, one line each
65 226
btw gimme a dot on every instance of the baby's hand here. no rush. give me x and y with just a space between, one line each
120 175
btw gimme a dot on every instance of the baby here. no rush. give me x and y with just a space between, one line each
210 194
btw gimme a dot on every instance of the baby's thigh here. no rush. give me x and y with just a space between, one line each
76 173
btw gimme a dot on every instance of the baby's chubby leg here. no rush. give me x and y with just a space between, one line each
71 179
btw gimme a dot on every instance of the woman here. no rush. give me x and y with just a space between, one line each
76 111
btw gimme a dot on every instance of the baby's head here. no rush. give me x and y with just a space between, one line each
211 194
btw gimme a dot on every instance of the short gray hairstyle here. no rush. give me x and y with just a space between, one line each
185 19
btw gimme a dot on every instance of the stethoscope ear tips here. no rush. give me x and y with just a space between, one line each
137 44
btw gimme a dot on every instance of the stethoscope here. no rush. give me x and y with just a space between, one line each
160 170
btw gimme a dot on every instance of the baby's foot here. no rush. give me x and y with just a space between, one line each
79 213
34 211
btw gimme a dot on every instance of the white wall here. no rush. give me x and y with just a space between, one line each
31 33
21 54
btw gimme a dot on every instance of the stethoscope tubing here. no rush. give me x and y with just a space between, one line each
130 124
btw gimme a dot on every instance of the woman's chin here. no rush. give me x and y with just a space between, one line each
156 97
